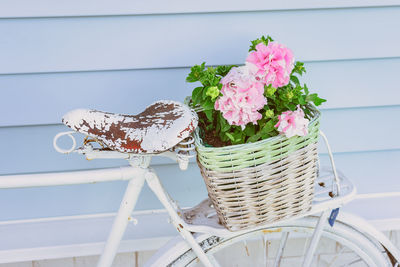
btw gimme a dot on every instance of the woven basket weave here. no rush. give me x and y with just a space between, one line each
266 181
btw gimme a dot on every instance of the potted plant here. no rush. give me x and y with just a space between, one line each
257 136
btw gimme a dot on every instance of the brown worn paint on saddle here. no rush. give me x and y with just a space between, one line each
126 133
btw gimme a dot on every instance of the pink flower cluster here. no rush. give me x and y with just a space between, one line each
293 123
274 62
242 96
243 87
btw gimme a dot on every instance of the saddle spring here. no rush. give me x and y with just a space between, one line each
185 150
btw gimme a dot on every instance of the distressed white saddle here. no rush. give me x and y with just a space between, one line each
158 128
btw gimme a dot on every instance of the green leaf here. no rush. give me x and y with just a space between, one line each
250 130
302 100
254 138
208 105
263 39
238 136
224 123
230 136
209 115
295 80
196 72
306 89
299 68
269 127
273 97
266 135
225 127
317 101
224 69
196 95
204 93
290 106
209 77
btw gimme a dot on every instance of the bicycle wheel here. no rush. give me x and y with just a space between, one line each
341 245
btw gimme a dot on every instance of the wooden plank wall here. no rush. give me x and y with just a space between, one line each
120 57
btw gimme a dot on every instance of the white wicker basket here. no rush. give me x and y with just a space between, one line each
269 180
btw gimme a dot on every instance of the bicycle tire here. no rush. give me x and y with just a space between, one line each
367 249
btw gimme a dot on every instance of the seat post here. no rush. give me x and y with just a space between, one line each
120 223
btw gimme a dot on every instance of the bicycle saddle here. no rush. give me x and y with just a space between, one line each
158 128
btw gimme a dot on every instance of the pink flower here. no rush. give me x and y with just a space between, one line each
241 76
242 96
274 62
293 123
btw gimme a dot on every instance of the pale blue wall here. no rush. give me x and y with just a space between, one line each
54 58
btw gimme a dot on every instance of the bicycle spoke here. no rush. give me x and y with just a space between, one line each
336 256
351 263
265 250
306 245
282 245
246 248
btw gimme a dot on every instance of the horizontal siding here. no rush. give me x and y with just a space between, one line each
158 41
131 91
29 149
48 8
117 91
96 232
376 209
358 83
79 236
362 129
55 57
370 171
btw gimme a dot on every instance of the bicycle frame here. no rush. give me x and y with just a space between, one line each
206 224
140 163
182 219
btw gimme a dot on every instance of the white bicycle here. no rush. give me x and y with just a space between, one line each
164 129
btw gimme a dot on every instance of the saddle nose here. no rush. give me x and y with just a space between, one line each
158 128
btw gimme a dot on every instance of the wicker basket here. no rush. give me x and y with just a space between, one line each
266 181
